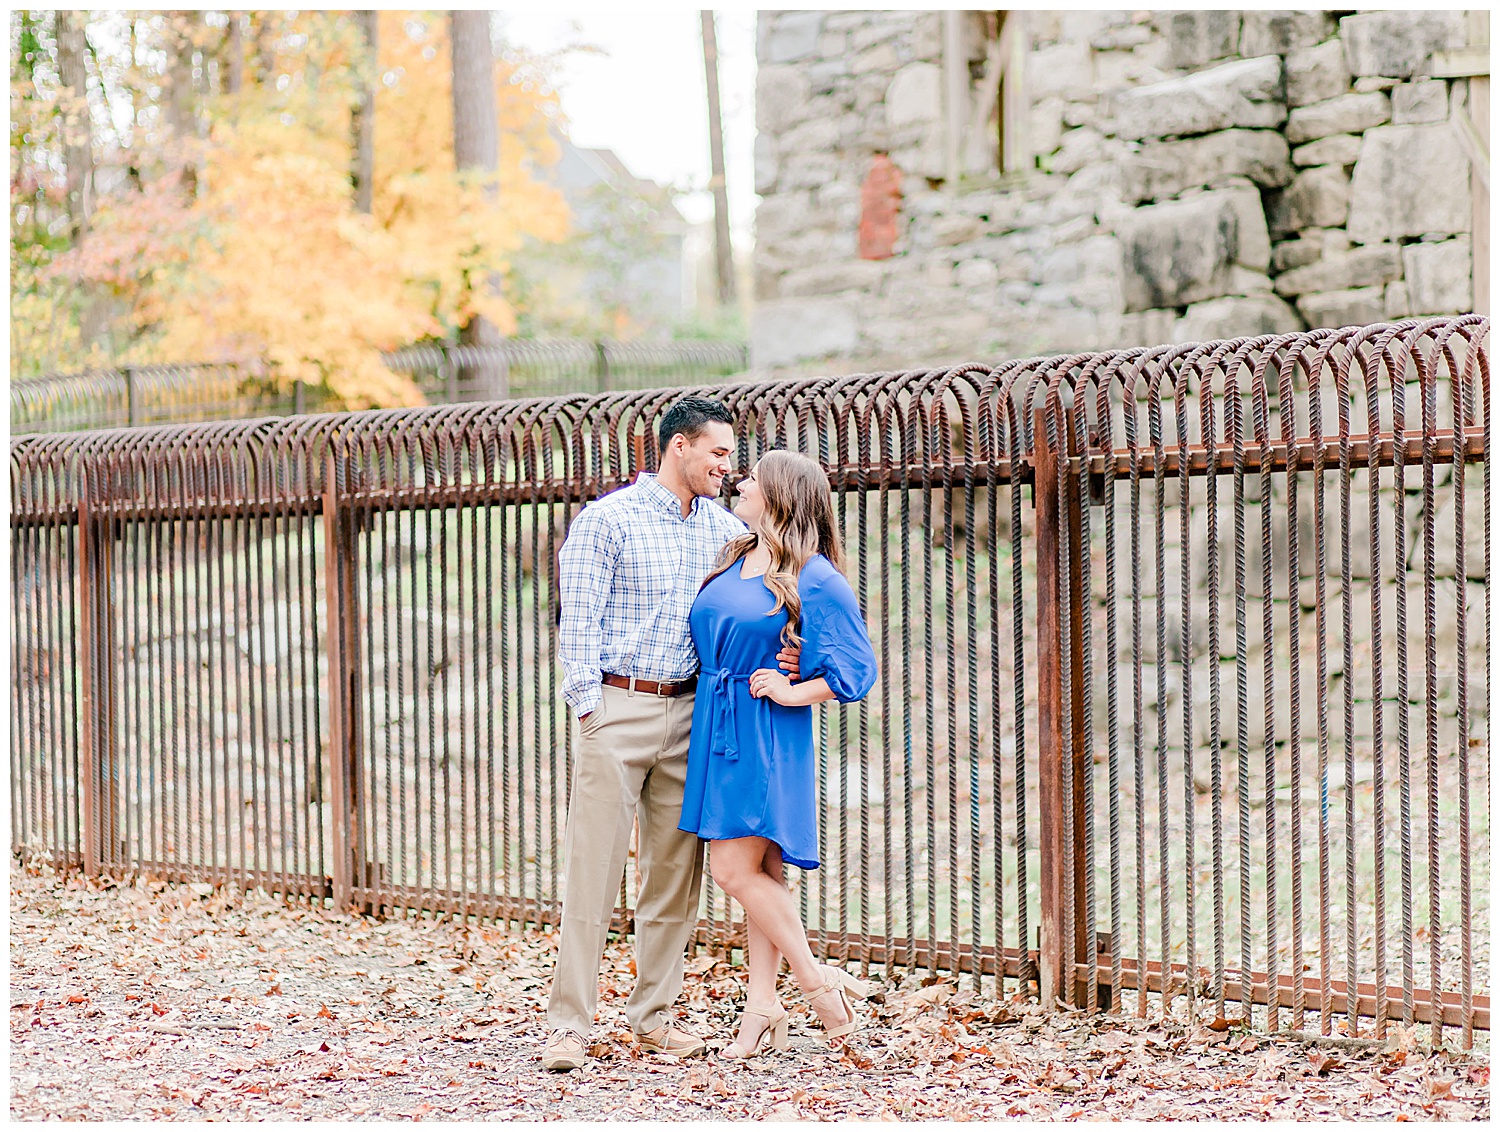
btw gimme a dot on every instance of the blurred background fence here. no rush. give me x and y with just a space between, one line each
235 390
1184 690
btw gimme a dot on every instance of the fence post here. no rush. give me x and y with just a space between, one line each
299 405
95 632
1062 739
129 372
340 572
601 365
450 376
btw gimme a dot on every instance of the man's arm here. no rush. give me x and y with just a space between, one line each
790 660
586 570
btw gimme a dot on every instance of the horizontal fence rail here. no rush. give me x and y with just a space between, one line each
1184 687
144 395
517 367
545 367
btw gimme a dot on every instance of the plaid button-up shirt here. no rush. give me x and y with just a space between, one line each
629 571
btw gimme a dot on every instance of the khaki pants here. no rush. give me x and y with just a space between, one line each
632 763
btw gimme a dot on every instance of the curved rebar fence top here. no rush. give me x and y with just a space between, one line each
971 423
101 754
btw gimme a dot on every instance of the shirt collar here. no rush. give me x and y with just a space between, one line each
663 498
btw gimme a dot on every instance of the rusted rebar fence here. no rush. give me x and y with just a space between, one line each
127 396
546 367
147 394
1183 702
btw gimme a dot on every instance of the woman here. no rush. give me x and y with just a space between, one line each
751 782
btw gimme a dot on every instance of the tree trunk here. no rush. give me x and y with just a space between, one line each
265 46
234 52
73 105
723 252
182 100
476 147
363 124
476 131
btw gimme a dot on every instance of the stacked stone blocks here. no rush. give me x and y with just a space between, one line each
1199 175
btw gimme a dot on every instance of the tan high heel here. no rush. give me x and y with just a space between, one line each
775 1033
840 982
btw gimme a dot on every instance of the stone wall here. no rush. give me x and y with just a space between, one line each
1198 175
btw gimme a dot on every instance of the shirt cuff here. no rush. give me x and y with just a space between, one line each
586 699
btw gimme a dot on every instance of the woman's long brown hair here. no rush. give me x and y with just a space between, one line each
797 523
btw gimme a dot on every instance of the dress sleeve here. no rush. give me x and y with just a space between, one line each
835 641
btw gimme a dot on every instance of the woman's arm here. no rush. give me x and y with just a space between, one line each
769 682
836 653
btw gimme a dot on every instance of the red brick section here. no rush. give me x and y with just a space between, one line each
879 205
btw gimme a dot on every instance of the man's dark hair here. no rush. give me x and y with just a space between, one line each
690 416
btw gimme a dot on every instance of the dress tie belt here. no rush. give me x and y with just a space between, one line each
725 740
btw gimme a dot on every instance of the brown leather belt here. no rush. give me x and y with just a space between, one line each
651 687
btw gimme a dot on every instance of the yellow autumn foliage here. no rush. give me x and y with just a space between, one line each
272 260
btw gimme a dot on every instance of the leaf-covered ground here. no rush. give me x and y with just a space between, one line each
190 1002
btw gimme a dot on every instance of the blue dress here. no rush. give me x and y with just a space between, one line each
751 769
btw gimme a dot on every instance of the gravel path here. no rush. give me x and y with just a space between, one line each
190 1002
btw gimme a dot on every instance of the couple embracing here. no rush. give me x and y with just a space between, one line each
694 643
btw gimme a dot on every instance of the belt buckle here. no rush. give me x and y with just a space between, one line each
632 685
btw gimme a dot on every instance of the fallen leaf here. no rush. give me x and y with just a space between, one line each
1322 1062
936 994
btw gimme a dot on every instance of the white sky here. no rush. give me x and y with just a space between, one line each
643 94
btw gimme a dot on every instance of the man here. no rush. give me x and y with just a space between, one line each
630 569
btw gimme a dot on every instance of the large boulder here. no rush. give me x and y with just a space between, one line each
1277 33
1316 74
1186 251
1357 307
1292 254
1196 37
1236 316
788 331
1336 149
1165 169
1245 93
1318 198
781 94
1346 114
783 214
1080 147
1409 181
1397 43
880 59
791 36
1357 267
803 169
1439 277
1065 69
832 278
765 164
915 96
1425 100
